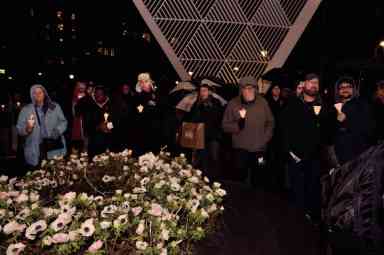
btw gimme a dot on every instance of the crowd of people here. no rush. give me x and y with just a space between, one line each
277 139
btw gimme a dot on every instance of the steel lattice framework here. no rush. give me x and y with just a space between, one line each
227 39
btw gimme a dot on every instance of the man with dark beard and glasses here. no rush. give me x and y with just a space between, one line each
306 125
355 124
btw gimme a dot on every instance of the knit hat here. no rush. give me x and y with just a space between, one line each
248 81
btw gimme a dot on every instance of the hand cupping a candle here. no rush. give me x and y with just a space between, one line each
30 123
243 113
340 115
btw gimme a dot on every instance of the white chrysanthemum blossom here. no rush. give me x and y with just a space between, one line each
221 192
139 190
15 249
22 198
145 181
216 185
120 221
3 178
12 227
105 224
61 221
204 213
140 228
35 228
87 228
140 245
23 214
148 160
108 210
206 179
160 184
125 207
164 234
107 178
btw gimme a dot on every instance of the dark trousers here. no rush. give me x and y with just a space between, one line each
208 160
245 161
304 178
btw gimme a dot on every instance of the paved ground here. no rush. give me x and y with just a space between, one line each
262 223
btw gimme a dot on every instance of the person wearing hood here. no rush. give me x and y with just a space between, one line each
42 123
98 124
250 122
208 110
147 136
355 123
306 126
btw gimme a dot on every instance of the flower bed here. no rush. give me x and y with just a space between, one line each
115 205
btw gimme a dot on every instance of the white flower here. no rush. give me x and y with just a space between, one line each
140 245
212 208
175 186
210 197
60 238
204 213
165 234
193 179
222 208
48 212
216 185
99 200
160 184
22 215
156 210
221 192
140 228
199 173
73 235
61 221
125 207
206 179
121 220
87 228
139 190
107 178
15 249
182 155
148 160
119 192
193 205
68 210
110 209
144 181
22 198
47 240
12 227
105 224
2 213
136 210
3 178
185 173
125 168
35 228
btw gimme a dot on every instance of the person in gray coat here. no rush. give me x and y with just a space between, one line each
250 122
42 123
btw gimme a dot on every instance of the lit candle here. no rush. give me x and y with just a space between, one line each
317 109
18 104
2 107
106 117
140 108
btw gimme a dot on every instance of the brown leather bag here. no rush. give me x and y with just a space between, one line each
192 135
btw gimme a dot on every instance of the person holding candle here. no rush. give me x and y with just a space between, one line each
306 127
42 123
355 123
99 127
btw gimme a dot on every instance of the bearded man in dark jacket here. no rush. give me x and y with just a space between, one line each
307 125
355 123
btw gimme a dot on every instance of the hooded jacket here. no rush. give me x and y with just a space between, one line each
354 135
55 126
257 131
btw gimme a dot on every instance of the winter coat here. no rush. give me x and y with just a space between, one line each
304 132
209 112
55 125
355 134
257 130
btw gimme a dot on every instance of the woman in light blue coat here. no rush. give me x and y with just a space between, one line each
39 120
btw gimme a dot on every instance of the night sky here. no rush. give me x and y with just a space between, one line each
341 38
